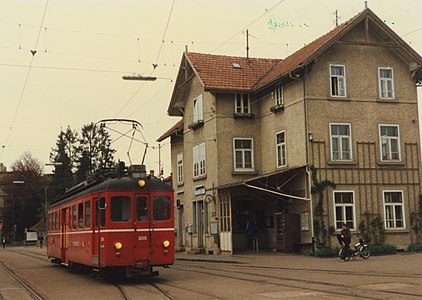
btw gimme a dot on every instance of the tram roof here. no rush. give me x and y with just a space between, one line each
115 184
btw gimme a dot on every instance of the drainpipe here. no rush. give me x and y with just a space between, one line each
308 140
307 151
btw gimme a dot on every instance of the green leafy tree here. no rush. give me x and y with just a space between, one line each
64 153
95 150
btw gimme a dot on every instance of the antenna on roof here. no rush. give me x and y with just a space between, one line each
336 12
247 43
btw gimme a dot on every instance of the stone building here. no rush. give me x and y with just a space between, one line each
329 134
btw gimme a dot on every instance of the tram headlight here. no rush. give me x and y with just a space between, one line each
166 244
141 183
118 245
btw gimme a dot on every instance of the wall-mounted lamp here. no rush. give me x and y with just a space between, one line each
311 137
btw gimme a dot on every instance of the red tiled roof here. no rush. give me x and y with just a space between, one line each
301 56
218 72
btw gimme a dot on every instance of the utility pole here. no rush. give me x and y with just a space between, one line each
247 43
159 160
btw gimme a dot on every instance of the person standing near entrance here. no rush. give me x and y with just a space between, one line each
3 242
251 232
41 239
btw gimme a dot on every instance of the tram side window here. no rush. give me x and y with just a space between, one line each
56 220
74 216
88 214
161 208
141 208
120 209
100 213
80 215
52 224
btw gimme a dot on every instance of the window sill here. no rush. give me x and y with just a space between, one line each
246 172
398 230
341 162
391 163
388 100
341 98
196 125
277 108
199 177
244 115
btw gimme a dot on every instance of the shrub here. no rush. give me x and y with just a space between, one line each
382 249
326 252
414 247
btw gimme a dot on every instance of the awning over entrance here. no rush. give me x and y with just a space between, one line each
275 192
288 184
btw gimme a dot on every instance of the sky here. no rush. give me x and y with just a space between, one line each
62 61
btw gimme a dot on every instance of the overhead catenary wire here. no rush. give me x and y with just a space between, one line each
165 32
247 26
25 83
154 65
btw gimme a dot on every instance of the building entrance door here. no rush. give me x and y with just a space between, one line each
226 243
287 232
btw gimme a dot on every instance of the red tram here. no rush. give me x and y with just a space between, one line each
124 223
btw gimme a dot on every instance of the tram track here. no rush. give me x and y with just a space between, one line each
332 288
325 271
35 255
31 291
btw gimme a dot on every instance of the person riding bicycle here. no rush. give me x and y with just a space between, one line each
345 235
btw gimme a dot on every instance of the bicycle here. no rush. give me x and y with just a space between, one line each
361 249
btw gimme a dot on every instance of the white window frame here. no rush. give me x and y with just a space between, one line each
383 84
393 218
340 138
243 152
199 160
281 150
388 142
343 207
198 114
179 159
240 105
278 94
339 79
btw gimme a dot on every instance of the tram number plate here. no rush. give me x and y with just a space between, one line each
142 238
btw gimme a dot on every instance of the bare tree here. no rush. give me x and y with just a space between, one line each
25 195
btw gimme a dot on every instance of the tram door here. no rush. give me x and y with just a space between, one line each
98 250
143 222
64 226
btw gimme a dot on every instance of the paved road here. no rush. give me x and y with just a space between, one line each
244 276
